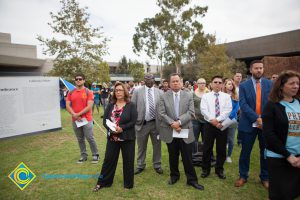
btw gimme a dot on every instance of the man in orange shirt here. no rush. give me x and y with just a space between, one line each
79 104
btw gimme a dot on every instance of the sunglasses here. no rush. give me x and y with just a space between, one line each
217 82
202 83
78 79
117 90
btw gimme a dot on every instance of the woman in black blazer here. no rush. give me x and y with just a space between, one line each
281 128
123 114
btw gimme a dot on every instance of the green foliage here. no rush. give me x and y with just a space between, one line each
77 47
215 61
136 70
173 35
123 66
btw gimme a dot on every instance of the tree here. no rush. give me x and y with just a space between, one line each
214 61
136 70
174 34
80 47
123 66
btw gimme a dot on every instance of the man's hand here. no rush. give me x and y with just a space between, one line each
178 130
219 126
76 116
259 123
175 125
214 122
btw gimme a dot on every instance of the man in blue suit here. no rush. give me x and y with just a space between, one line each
253 96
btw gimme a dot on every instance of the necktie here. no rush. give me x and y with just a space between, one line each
151 105
217 105
176 104
258 98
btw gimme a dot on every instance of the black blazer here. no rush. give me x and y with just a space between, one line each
275 128
127 121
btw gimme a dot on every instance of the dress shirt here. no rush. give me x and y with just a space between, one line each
207 106
254 83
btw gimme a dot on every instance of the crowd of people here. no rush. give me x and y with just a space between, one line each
178 113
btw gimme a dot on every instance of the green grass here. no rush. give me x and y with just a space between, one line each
57 153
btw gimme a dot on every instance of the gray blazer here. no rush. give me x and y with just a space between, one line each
167 114
139 98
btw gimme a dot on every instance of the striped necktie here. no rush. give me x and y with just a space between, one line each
151 105
217 105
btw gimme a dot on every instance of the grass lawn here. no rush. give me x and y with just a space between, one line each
57 153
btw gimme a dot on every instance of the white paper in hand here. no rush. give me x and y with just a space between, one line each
184 133
112 126
81 122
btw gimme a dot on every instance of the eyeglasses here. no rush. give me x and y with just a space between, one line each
119 90
78 79
201 83
217 82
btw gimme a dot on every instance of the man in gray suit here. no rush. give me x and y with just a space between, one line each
176 109
146 99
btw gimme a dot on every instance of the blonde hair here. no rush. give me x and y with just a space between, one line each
234 95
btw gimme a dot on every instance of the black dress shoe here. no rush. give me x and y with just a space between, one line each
221 175
204 174
159 170
173 181
197 186
138 171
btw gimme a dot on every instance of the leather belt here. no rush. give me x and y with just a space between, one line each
146 122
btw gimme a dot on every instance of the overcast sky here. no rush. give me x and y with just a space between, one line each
230 20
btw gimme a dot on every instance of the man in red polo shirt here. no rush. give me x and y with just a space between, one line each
79 104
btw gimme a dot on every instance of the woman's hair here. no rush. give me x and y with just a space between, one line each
276 91
126 94
234 94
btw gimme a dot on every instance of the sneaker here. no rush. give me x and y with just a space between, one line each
81 160
95 159
228 159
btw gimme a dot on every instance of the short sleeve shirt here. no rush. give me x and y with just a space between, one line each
79 101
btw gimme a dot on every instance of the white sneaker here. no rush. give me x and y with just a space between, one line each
95 159
228 159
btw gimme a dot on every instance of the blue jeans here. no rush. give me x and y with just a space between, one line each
198 127
230 140
248 140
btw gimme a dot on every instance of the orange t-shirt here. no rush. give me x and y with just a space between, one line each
79 100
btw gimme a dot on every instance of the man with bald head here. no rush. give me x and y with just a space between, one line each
146 99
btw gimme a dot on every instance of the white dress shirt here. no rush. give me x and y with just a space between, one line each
147 113
207 106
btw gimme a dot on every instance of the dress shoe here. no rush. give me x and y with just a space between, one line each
240 182
138 171
172 181
197 186
204 174
159 170
221 175
265 184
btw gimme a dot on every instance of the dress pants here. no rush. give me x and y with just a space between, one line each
174 148
111 160
248 140
211 134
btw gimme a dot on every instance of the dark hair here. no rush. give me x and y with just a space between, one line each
276 91
80 74
165 81
175 74
217 76
255 61
126 93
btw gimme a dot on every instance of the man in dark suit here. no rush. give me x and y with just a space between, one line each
253 96
176 109
146 99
